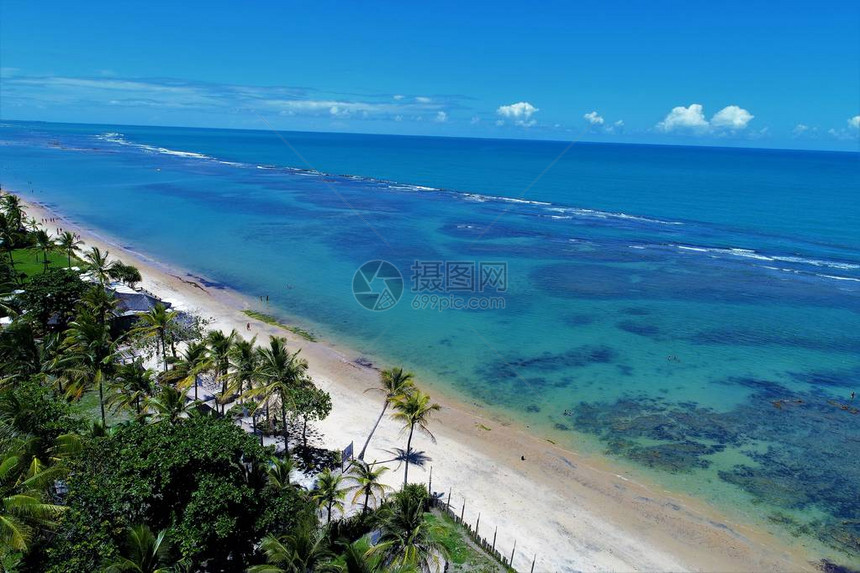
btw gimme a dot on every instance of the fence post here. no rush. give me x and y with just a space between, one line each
512 552
449 500
463 511
496 532
477 523
533 563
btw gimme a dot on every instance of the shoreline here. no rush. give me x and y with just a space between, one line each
573 512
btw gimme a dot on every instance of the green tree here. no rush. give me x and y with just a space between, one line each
219 345
281 373
202 479
303 551
329 492
23 510
98 264
169 405
132 385
90 356
70 244
143 552
311 403
53 296
395 383
157 323
414 411
367 483
187 369
279 471
405 540
46 245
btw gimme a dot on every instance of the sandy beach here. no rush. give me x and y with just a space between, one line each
566 511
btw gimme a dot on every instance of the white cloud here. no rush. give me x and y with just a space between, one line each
520 112
732 117
475 120
685 118
800 129
692 119
398 97
593 118
422 99
854 122
441 117
619 123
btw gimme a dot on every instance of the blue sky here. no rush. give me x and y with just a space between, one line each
763 74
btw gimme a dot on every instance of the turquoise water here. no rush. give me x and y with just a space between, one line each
692 312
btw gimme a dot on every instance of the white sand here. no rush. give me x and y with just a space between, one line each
570 511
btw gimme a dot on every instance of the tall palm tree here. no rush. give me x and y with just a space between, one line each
367 483
194 361
132 385
305 550
414 411
244 364
70 244
90 355
157 323
329 492
100 301
220 345
46 245
281 373
98 263
8 234
394 383
22 507
405 540
143 552
11 205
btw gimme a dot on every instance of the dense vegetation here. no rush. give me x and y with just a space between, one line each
152 476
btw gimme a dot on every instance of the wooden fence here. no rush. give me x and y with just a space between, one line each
444 505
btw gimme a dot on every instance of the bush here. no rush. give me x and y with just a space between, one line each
203 479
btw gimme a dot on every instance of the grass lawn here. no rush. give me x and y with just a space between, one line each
465 556
88 408
29 261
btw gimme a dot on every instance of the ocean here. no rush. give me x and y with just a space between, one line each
692 313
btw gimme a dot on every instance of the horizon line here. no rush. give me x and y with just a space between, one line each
484 138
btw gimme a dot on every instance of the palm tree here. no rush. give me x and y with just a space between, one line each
195 360
46 245
13 210
281 373
394 384
169 405
8 233
144 552
69 243
133 384
98 263
304 551
90 355
328 492
243 361
405 540
219 350
367 482
414 411
279 472
100 301
158 322
22 509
